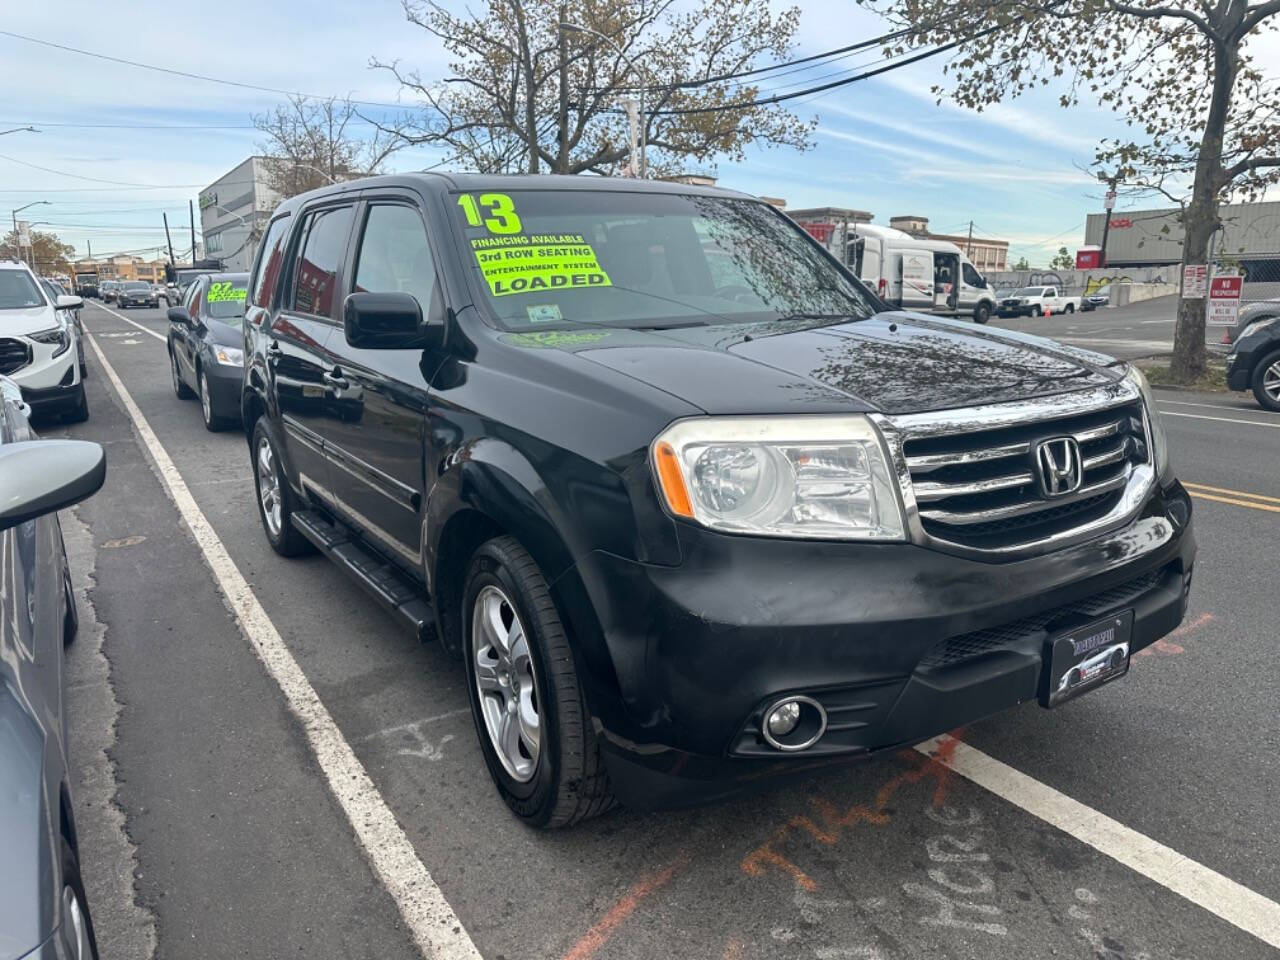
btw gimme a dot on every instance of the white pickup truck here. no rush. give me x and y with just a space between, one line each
1037 302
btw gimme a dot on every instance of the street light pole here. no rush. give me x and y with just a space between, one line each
631 64
16 239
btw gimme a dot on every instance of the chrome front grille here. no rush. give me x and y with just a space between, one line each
974 479
14 355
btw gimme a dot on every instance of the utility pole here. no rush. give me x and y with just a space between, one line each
562 114
1109 204
168 239
969 251
90 245
191 215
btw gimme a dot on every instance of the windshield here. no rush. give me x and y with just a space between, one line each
1103 291
18 291
545 258
1030 292
137 285
225 300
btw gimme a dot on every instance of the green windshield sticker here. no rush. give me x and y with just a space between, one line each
554 338
224 291
538 262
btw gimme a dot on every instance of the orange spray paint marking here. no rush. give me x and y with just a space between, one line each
755 863
1166 644
599 934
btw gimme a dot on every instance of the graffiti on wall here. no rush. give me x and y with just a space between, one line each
1044 280
1094 284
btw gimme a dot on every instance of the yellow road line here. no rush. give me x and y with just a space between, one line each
1229 492
1238 503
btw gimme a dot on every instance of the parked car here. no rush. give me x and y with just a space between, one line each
109 289
1250 314
1099 298
86 284
39 348
1254 361
1037 302
45 914
692 511
71 316
136 293
206 346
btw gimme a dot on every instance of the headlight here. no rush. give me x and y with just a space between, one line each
819 477
58 335
230 356
1159 442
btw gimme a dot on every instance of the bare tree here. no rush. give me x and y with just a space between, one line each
527 95
311 143
1205 121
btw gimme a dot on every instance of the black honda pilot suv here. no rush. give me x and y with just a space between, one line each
694 507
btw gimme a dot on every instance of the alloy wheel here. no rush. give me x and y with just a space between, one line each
506 683
206 404
269 486
76 932
1271 381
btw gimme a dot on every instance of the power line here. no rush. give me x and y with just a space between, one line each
189 76
114 183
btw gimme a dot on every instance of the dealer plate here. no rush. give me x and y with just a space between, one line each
1085 658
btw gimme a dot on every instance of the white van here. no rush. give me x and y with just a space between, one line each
916 274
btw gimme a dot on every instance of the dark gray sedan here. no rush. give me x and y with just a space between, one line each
43 911
206 346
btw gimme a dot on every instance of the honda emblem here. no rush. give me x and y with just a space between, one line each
1058 467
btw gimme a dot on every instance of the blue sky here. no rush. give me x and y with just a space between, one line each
881 145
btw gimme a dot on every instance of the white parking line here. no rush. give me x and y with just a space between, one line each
1213 406
1221 896
434 926
121 316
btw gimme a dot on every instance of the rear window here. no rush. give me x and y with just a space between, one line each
18 291
543 258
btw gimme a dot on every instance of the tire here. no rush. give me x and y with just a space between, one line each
1036 311
70 619
80 412
179 387
277 518
562 781
1266 381
1071 308
212 422
982 313
82 942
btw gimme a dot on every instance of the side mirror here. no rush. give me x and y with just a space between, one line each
69 303
41 476
180 316
384 321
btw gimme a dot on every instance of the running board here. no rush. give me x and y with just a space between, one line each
391 588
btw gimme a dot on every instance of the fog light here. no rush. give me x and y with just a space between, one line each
784 718
793 723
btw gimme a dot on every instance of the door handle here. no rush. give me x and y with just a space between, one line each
335 379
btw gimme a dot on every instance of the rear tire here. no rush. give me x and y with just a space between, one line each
1071 308
179 387
1266 381
513 638
275 498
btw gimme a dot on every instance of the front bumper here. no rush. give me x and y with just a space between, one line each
899 642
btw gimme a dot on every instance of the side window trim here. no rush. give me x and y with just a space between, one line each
361 225
297 243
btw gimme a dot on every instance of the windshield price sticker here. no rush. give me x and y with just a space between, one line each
224 291
538 262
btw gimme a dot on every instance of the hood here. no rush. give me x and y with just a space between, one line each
893 363
224 334
19 323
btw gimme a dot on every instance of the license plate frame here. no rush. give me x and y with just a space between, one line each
1084 658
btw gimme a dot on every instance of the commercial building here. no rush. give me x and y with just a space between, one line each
985 254
123 267
234 211
1249 238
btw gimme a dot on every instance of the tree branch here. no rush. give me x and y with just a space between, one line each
1249 166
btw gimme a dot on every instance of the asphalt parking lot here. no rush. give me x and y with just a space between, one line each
1136 330
1135 822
